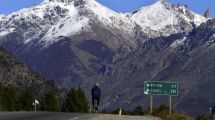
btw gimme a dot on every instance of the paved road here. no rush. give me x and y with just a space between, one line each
66 116
43 116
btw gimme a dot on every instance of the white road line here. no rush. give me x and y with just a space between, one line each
75 118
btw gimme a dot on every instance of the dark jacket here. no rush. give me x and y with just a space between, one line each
96 91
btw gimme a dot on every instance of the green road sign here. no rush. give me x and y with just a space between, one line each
161 88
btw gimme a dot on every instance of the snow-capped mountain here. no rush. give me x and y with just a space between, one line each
164 19
81 42
54 18
76 22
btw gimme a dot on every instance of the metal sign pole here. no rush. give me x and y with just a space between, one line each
35 106
170 107
151 104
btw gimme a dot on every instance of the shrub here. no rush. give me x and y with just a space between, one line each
137 111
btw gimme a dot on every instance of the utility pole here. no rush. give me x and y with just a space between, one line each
35 107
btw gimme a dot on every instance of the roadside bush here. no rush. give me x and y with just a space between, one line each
181 116
205 117
137 111
163 112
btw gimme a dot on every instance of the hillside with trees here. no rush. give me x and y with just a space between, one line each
20 86
17 78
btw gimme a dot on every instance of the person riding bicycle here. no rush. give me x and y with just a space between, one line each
96 94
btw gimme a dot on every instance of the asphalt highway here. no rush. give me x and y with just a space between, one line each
67 116
43 116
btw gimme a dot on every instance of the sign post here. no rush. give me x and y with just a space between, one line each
161 88
35 104
170 107
151 104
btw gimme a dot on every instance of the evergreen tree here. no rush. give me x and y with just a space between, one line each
83 105
26 99
75 101
50 102
8 98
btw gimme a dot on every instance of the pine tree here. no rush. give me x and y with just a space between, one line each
75 101
26 99
50 102
207 13
70 102
8 98
83 105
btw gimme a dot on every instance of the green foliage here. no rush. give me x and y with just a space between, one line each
50 102
206 117
26 99
181 116
84 103
137 111
8 98
75 101
163 112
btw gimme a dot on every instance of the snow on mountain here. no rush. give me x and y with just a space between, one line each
1 17
81 13
165 19
54 18
3 33
69 25
178 42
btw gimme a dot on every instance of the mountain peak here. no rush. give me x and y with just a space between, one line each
161 2
69 1
64 1
166 17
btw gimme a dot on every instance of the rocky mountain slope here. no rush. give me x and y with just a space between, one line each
81 42
14 73
185 58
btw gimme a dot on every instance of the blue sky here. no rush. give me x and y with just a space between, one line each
199 6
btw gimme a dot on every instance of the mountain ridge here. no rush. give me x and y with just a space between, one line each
110 17
78 45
